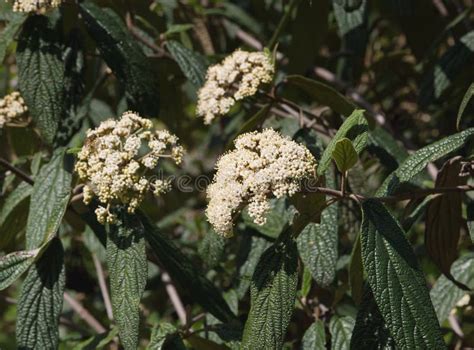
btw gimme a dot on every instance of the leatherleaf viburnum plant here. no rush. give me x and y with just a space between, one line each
236 174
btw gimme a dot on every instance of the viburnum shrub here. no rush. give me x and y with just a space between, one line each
236 174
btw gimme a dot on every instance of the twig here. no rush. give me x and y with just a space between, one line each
282 24
174 297
103 286
25 177
84 313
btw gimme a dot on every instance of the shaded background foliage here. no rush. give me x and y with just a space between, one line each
407 64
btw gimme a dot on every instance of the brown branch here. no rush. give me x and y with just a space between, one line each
25 177
84 313
174 297
103 286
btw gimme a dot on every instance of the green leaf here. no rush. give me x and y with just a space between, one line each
252 248
14 264
236 14
41 73
272 297
128 269
49 201
13 213
386 148
184 272
323 94
177 28
344 155
8 34
397 281
192 64
452 64
41 301
465 101
165 336
355 128
416 162
124 56
315 337
445 294
306 282
317 243
211 248
341 332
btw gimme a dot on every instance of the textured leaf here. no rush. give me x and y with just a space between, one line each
253 249
384 146
15 198
454 62
356 272
341 331
323 94
315 337
355 128
191 63
444 218
416 162
272 297
165 336
124 56
49 201
317 243
185 274
397 281
14 264
344 155
41 73
127 263
369 330
211 248
445 294
464 103
8 34
41 301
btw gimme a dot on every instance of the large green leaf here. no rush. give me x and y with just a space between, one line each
184 272
272 297
8 33
344 155
41 301
211 248
191 63
127 263
386 148
252 248
124 56
355 128
397 281
317 243
49 201
445 294
315 337
416 162
14 264
41 73
323 94
341 331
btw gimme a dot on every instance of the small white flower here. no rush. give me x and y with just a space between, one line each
237 77
35 5
263 164
12 109
110 165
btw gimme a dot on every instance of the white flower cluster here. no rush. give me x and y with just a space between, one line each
237 77
116 160
34 5
12 109
262 164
